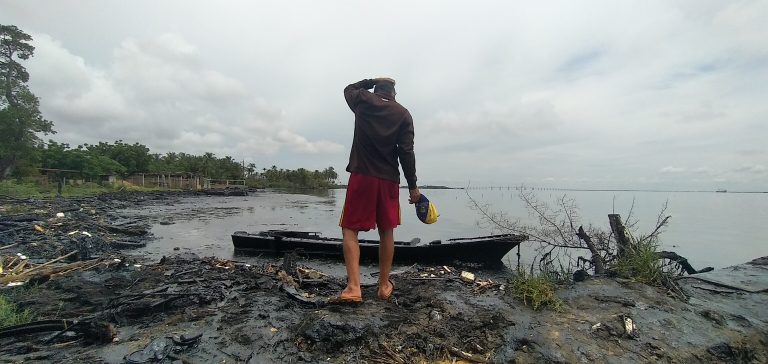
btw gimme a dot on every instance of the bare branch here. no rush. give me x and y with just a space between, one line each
533 204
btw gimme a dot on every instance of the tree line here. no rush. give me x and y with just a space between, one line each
22 150
119 158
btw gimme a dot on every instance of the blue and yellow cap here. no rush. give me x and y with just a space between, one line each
426 211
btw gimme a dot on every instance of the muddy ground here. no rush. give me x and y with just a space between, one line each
277 311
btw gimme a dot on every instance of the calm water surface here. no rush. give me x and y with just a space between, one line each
710 229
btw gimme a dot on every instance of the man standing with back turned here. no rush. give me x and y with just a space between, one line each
383 134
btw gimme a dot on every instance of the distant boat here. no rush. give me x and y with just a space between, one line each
483 249
723 190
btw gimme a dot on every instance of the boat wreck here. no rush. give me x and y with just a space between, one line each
483 249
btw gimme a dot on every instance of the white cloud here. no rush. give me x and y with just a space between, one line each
160 93
672 169
757 169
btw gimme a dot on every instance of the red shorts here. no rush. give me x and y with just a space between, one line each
371 202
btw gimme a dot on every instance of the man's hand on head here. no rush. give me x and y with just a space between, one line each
415 195
384 79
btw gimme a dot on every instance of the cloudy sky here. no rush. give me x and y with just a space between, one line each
587 94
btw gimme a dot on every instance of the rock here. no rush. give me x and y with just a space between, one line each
732 354
713 316
580 275
334 331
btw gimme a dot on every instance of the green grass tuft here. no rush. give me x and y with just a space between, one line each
536 291
10 315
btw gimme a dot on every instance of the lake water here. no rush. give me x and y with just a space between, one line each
710 229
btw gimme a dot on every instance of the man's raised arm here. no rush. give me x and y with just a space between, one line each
352 91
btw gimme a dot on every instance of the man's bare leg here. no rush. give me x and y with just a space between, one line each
351 249
386 255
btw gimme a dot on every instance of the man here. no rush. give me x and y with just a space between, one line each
383 135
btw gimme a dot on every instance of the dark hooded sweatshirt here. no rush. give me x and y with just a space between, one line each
383 134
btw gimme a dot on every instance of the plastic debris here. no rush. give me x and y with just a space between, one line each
629 327
467 277
435 315
60 215
156 351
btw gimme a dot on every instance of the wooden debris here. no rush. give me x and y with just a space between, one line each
597 260
484 285
52 261
311 273
467 356
48 270
620 300
9 246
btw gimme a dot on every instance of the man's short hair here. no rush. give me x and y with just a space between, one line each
383 87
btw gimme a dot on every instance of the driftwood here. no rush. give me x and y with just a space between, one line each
620 300
127 244
132 231
51 262
8 246
44 274
13 229
101 332
21 218
597 260
466 356
682 261
624 239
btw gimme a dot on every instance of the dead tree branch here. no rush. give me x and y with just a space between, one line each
597 260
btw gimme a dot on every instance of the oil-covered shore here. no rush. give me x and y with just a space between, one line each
103 303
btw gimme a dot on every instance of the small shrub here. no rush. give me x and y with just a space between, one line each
11 315
537 291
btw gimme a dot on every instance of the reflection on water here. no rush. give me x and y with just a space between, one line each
710 229
328 194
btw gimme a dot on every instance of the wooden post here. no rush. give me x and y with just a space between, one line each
624 238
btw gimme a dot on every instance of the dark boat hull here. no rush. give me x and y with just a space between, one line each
485 249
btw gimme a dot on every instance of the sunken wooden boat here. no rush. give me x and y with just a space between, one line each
483 249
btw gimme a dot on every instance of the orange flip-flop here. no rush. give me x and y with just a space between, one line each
389 295
345 300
